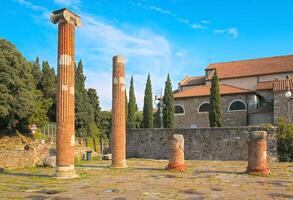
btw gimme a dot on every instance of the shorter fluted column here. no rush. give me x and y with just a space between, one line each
176 153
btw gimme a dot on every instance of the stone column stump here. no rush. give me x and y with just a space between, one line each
257 153
66 21
176 153
118 135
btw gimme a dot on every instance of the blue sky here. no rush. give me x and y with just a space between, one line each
171 36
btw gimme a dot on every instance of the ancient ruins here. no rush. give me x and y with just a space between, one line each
66 21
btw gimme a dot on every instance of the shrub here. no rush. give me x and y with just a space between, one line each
285 141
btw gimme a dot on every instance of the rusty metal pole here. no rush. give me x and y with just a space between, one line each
66 21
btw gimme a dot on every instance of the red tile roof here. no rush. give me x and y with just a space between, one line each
266 85
283 85
205 91
192 80
260 66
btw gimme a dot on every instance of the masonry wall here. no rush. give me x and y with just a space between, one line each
200 143
192 117
282 107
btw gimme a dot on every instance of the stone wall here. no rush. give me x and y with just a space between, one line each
261 118
192 117
200 143
282 106
33 156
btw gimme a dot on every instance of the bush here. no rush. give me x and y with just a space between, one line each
285 141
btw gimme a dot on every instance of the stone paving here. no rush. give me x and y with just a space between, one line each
147 179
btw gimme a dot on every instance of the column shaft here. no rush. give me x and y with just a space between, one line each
118 139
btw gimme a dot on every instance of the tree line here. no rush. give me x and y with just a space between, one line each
28 96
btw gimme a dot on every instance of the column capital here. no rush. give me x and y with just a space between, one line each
65 15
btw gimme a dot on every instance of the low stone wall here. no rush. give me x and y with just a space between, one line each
200 143
21 157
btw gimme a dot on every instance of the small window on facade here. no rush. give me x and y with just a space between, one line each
205 107
237 106
179 109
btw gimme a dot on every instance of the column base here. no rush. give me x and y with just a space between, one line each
120 165
264 171
65 172
176 167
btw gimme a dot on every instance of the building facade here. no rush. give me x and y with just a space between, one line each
252 92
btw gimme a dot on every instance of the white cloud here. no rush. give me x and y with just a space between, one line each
146 51
67 3
160 10
196 26
230 31
205 21
30 5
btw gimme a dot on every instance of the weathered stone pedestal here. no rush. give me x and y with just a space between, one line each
118 135
176 153
66 21
257 153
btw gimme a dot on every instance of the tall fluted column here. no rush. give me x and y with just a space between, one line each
67 21
118 137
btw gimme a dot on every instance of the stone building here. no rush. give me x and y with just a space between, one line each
252 92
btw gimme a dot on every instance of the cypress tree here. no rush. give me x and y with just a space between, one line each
148 105
83 111
168 101
132 107
48 86
36 71
215 102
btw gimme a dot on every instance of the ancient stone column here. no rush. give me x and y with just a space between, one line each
67 21
257 153
118 137
176 153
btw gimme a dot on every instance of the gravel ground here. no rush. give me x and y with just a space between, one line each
147 179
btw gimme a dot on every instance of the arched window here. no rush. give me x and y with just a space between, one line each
179 110
237 105
204 107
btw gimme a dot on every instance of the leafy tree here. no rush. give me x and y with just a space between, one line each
148 105
215 102
105 123
285 141
17 88
132 107
168 101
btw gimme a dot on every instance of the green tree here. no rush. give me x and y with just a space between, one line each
48 86
83 112
105 123
148 105
17 88
157 118
285 141
95 121
132 107
37 73
215 102
168 101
